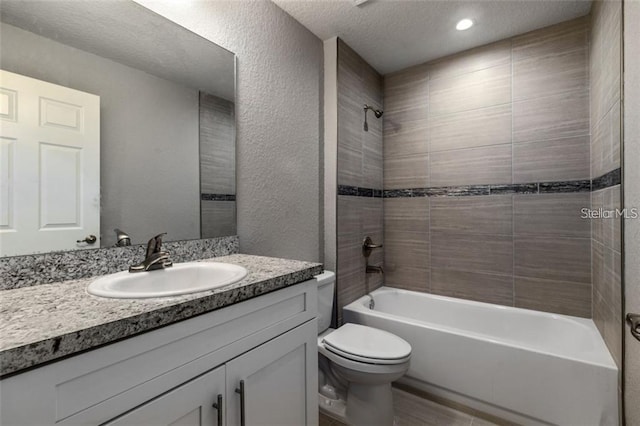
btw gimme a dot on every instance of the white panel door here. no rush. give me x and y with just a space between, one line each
49 166
191 404
279 380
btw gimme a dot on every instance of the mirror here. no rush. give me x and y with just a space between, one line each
112 117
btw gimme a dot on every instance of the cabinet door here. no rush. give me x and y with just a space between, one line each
280 381
189 404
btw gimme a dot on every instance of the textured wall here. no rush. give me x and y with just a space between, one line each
279 120
605 67
157 161
632 199
486 169
359 171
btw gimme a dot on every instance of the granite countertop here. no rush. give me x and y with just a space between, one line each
45 322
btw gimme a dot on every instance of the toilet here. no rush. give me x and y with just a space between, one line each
356 365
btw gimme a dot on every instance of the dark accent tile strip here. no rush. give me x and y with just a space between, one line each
365 192
516 188
347 190
459 191
609 179
397 193
358 191
570 186
614 177
217 197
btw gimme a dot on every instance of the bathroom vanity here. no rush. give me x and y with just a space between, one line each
243 354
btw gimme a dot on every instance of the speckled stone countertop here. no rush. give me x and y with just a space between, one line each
45 322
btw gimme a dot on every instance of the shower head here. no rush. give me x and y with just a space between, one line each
377 112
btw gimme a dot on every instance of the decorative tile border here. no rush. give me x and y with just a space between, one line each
217 197
358 191
585 185
30 270
613 178
568 186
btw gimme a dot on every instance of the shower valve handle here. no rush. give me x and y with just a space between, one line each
634 323
368 246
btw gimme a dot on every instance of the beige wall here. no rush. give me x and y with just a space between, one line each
279 120
605 71
506 118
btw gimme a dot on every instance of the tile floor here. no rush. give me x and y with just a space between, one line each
411 410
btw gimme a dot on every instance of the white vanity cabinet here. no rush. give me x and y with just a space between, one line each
189 404
266 345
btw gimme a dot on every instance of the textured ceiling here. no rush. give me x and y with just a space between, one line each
394 34
128 33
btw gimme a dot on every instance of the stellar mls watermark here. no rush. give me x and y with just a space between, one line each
600 213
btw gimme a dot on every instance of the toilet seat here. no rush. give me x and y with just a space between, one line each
367 344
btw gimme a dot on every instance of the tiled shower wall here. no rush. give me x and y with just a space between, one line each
605 71
360 205
217 167
486 170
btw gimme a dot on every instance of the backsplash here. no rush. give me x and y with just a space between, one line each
26 271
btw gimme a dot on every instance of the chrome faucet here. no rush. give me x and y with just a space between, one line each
122 239
155 259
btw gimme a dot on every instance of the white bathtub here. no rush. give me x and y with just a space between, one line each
526 366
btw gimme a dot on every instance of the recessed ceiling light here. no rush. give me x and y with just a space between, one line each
464 24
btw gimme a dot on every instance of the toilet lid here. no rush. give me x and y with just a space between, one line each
361 343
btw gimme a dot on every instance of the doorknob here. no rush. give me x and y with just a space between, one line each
634 323
91 239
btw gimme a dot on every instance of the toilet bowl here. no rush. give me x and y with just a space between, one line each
357 364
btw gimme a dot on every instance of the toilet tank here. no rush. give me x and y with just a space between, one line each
326 286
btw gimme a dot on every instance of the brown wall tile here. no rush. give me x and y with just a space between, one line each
551 160
218 218
486 288
472 252
562 37
485 165
478 89
551 117
407 260
553 258
605 143
552 215
478 215
410 171
476 59
561 72
406 214
454 122
562 297
469 129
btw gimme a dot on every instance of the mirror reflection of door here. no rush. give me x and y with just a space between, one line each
49 166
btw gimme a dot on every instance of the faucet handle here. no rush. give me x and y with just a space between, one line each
155 244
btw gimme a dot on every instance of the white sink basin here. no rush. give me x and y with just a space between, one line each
181 278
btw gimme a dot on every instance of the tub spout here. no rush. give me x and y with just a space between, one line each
374 269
